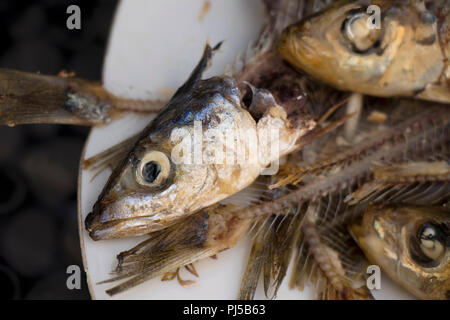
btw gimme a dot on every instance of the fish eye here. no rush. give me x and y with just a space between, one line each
361 35
431 241
153 169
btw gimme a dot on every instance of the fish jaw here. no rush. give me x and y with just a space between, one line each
139 213
119 228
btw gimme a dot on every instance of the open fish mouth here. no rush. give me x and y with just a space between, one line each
120 228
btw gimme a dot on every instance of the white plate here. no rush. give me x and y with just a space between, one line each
153 47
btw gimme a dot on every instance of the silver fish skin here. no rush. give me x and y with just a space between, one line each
170 174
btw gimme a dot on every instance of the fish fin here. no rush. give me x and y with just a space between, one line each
147 270
196 75
198 236
409 183
436 92
35 98
253 269
188 240
111 156
166 250
283 232
270 254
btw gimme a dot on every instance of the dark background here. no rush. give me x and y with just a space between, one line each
39 163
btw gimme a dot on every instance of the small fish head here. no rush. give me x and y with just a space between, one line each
346 46
319 44
411 244
171 171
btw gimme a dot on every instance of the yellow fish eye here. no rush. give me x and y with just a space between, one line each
361 35
153 169
431 241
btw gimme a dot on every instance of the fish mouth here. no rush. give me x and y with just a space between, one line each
120 228
300 49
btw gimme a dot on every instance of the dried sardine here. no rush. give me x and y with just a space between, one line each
407 54
35 98
149 190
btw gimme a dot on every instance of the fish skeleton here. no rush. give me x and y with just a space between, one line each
326 254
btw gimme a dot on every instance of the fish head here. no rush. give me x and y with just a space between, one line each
173 170
411 244
381 48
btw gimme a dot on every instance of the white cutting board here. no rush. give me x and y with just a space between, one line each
153 47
